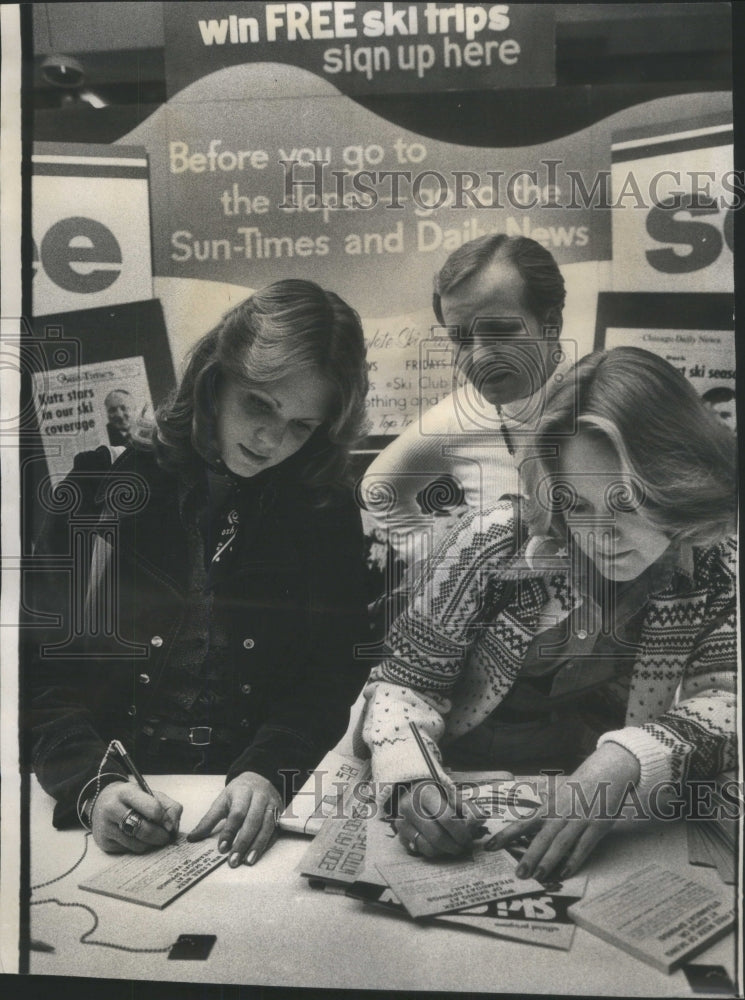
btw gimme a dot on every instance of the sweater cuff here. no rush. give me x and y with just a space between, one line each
653 758
401 761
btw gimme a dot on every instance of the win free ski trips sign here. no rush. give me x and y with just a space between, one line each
365 48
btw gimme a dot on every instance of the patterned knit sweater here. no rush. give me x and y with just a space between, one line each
457 649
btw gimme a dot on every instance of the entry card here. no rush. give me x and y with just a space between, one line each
157 879
429 887
657 915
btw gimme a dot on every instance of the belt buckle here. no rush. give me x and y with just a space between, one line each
200 736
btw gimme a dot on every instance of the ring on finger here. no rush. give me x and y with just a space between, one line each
412 843
130 824
276 813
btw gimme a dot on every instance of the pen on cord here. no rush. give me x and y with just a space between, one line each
132 767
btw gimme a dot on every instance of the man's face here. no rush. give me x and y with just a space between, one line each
726 413
501 348
117 411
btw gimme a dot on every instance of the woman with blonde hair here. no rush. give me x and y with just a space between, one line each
592 628
241 586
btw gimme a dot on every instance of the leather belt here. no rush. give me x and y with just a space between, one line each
195 736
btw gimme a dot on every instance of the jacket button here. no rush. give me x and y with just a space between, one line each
245 689
581 634
248 644
131 710
144 678
245 723
156 641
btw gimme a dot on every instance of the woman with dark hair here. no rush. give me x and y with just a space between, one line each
590 628
241 586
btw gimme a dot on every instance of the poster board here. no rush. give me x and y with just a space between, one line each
88 355
669 235
91 226
694 331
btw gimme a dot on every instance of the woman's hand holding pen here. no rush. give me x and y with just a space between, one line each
565 837
430 824
160 817
250 806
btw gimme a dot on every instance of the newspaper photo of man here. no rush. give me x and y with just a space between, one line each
118 405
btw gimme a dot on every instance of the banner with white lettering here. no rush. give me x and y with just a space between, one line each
91 226
366 47
242 189
247 191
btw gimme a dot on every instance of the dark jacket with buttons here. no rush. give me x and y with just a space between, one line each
293 600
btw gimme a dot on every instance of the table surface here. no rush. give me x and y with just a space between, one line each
273 929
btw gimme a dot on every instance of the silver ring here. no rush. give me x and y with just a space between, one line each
131 823
276 813
412 843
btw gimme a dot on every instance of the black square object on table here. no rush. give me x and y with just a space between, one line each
192 947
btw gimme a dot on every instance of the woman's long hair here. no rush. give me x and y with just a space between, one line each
678 457
286 327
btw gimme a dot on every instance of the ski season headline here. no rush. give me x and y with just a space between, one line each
475 26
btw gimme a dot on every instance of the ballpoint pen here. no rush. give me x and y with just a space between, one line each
426 754
135 772
132 767
433 771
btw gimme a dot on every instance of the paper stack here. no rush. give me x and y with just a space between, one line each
358 851
712 836
321 794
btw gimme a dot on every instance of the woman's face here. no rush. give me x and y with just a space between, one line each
511 359
621 543
260 426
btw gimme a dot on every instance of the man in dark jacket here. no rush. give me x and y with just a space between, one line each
118 416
